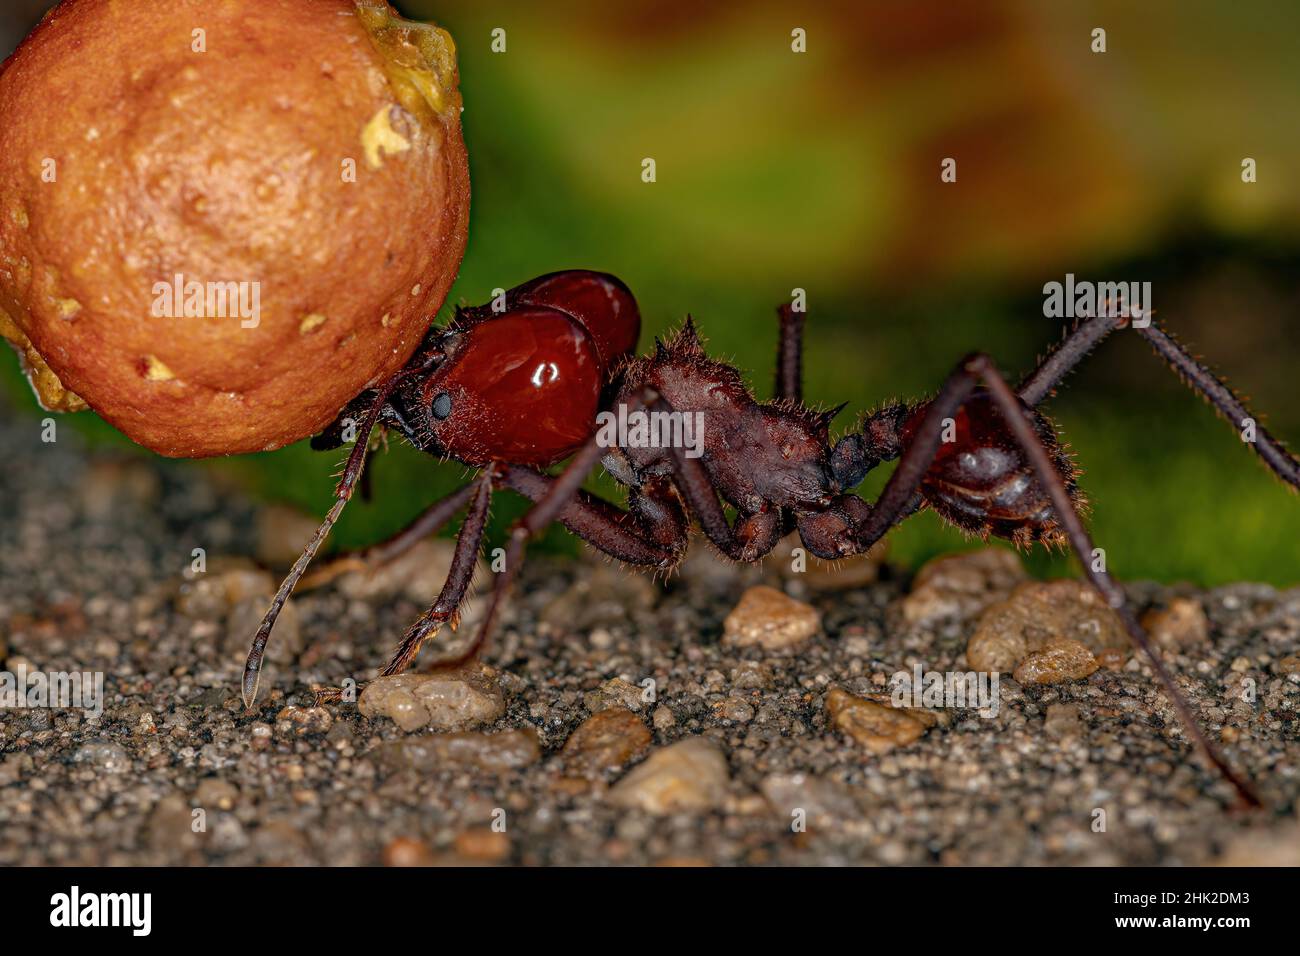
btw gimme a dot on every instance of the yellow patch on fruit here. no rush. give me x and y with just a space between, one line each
379 138
156 371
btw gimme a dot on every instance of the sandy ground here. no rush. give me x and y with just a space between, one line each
613 725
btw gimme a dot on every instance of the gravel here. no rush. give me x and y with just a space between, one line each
611 722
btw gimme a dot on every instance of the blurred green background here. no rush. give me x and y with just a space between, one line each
820 170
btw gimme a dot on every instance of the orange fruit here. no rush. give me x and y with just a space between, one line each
219 223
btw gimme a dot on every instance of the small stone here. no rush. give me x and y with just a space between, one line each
734 709
483 844
1062 720
494 753
1037 613
303 721
418 573
877 727
282 533
962 585
1062 659
447 699
601 596
1289 665
211 593
1182 623
663 718
216 793
688 776
259 735
815 801
616 692
170 825
104 756
1273 846
768 618
407 851
606 741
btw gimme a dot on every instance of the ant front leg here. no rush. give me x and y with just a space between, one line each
654 534
464 559
425 524
342 494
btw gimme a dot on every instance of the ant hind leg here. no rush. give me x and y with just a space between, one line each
917 458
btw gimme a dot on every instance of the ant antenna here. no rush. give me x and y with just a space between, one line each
342 492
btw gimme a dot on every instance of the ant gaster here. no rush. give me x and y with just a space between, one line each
515 387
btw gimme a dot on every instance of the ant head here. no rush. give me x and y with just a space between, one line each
519 387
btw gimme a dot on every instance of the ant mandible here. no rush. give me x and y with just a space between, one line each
514 387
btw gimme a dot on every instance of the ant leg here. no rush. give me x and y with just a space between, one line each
463 560
1225 401
789 355
916 460
1086 335
753 536
342 493
551 503
1066 513
427 523
1040 384
607 528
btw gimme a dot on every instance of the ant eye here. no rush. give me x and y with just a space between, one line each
441 406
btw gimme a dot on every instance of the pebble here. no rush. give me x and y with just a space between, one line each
824 802
877 727
303 721
606 741
688 776
407 851
1069 613
215 792
104 756
615 692
212 593
418 574
482 844
663 718
494 753
1061 659
451 699
282 533
962 585
770 619
170 825
601 596
1063 720
1183 622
